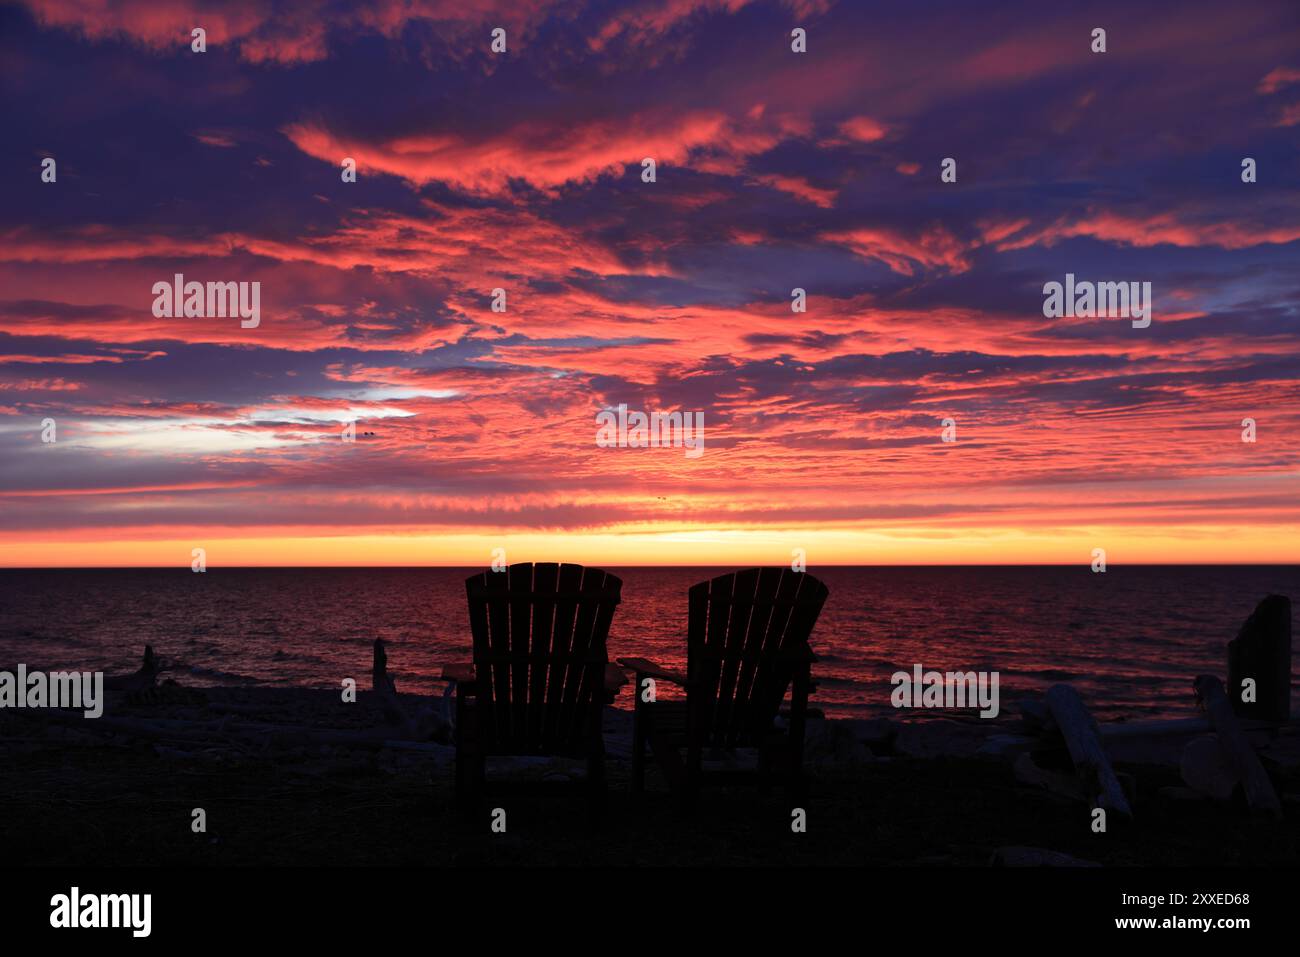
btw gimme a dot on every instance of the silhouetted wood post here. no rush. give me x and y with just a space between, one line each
1262 652
384 686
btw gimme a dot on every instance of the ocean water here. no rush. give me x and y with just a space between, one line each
1131 639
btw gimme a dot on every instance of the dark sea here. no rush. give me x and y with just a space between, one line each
1130 639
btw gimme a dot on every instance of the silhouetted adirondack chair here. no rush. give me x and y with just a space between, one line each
747 643
540 673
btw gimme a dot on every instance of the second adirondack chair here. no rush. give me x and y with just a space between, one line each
746 645
540 674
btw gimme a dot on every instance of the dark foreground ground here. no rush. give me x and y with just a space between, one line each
112 800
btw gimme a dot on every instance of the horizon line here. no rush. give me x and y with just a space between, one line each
678 565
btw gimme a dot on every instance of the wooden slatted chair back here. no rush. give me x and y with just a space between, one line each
539 633
748 632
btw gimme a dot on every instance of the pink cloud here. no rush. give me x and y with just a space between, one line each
934 247
1154 230
547 156
70 359
800 187
863 129
215 138
40 385
1276 79
296 31
1290 115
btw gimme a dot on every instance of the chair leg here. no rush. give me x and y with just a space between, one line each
639 720
479 777
796 789
471 776
597 795
691 780
470 766
802 687
462 781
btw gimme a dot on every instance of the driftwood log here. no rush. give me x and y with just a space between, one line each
1158 727
1262 651
1254 779
1060 783
1083 740
1208 769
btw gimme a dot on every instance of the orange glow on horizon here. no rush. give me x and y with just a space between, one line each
1202 544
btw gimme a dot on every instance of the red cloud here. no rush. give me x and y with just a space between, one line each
1290 115
286 32
296 31
863 129
215 138
933 247
800 187
549 155
41 385
1278 78
1154 230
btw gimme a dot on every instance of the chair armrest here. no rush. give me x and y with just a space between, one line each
461 673
644 666
805 677
614 678
798 656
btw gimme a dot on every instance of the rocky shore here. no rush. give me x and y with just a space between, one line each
298 776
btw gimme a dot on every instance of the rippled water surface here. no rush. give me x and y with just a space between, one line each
1131 639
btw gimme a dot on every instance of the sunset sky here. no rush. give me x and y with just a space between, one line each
523 171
